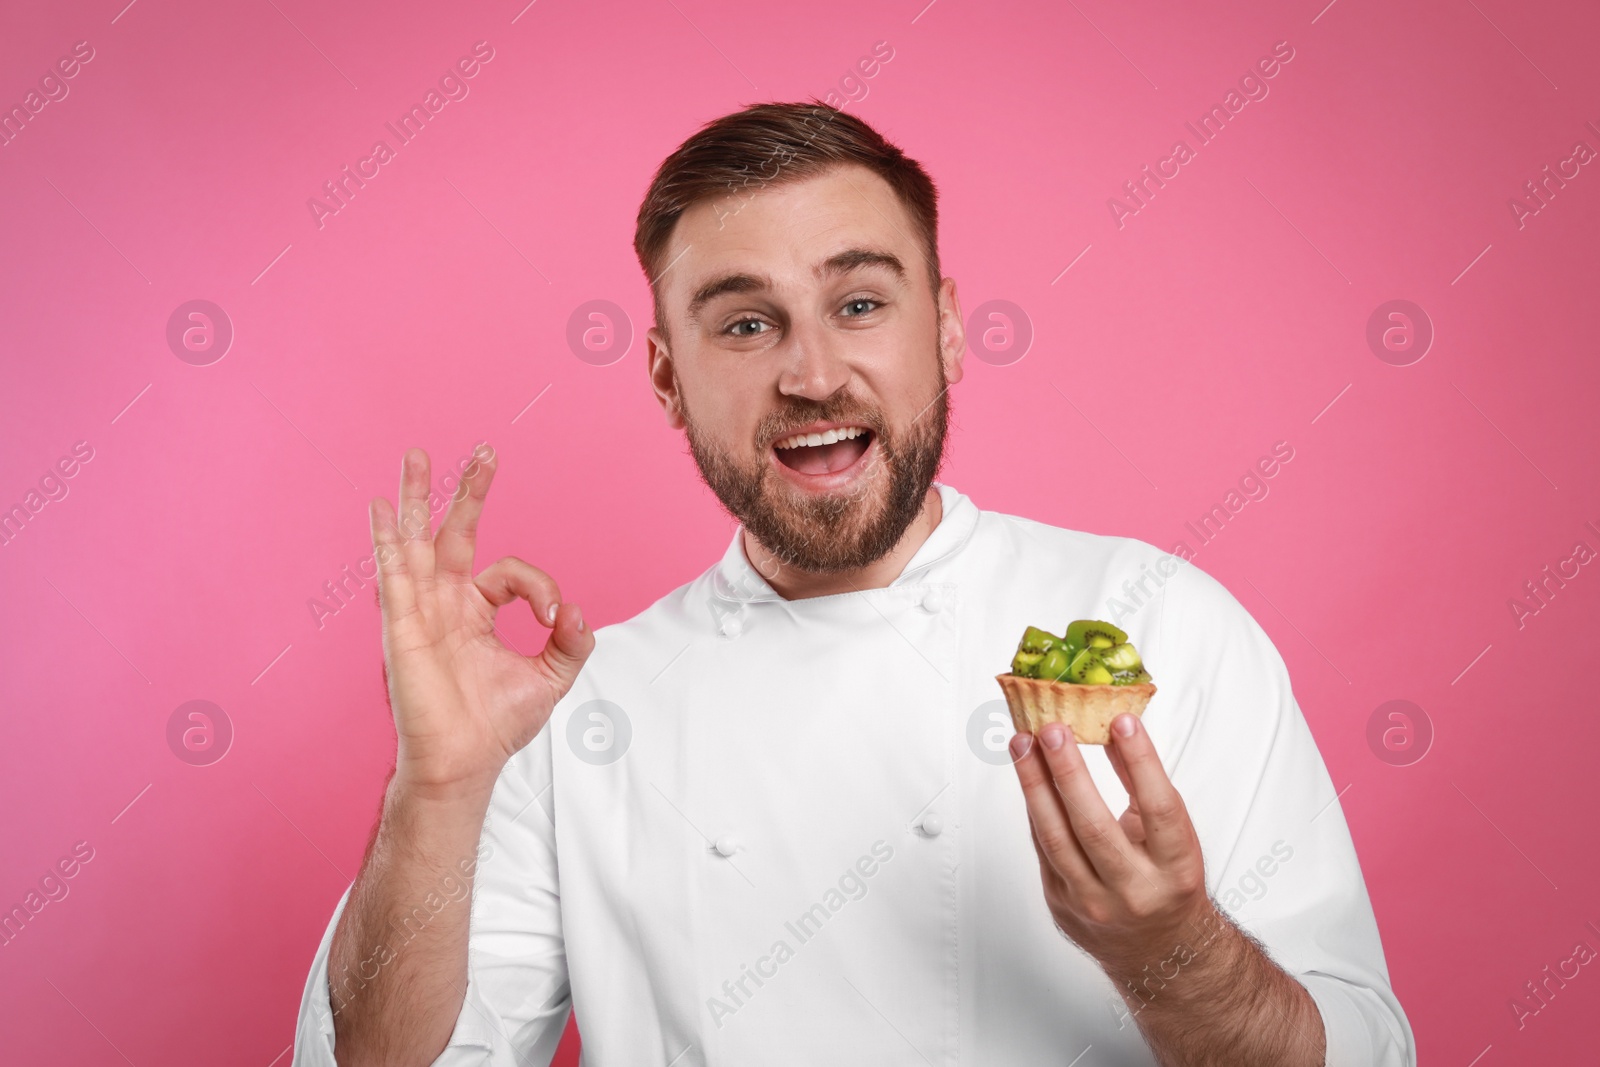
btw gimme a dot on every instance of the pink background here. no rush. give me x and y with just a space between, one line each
1227 315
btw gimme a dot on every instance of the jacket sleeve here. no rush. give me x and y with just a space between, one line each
1278 853
518 996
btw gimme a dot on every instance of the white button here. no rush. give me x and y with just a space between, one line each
732 626
725 846
932 825
932 602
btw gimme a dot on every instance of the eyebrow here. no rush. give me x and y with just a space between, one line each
840 263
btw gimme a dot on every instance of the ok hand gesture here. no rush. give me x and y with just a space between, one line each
464 701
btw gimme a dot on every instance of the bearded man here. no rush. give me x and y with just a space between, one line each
769 820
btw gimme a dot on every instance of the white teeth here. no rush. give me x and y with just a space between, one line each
826 437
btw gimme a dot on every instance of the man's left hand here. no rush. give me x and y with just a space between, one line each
1126 890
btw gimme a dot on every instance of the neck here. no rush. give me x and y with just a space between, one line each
794 584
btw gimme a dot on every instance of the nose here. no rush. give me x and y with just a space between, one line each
814 366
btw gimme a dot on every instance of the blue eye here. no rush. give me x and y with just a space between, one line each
734 328
862 300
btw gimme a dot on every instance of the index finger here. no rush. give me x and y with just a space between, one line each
1161 809
1058 847
1096 829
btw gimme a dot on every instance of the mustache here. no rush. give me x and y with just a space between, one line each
779 424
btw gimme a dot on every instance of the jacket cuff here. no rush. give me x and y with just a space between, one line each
313 1035
1359 1028
477 1027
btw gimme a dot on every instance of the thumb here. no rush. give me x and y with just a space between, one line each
571 641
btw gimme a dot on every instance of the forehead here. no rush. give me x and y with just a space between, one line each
784 232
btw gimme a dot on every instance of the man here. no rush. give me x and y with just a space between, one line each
767 821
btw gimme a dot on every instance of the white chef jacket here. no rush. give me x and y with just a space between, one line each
763 831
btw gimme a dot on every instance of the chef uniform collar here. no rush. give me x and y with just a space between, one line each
736 579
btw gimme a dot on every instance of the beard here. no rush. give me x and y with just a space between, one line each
832 532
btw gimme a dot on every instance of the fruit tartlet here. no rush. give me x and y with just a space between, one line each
1084 679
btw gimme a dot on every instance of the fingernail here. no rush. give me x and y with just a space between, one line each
576 611
1020 743
1052 736
1124 725
550 616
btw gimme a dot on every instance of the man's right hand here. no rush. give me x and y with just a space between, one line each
464 702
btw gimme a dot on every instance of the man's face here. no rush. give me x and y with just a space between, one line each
805 309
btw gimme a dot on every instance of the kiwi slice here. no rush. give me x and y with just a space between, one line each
1037 640
1053 665
1092 633
1087 669
1091 653
1122 657
1025 664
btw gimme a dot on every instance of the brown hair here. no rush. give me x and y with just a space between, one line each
771 144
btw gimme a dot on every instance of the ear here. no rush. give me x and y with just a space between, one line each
658 363
952 331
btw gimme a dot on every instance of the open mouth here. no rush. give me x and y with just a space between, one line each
833 451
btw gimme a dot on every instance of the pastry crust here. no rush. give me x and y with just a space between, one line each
1088 709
